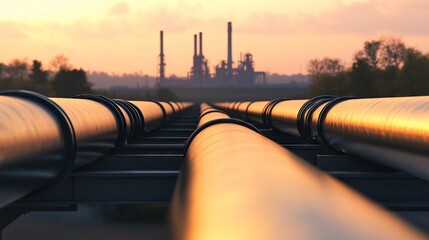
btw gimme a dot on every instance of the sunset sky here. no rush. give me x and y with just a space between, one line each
123 36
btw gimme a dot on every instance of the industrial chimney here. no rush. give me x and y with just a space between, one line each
161 58
201 44
229 61
195 45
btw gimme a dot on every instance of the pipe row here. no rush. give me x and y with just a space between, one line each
43 139
391 131
237 184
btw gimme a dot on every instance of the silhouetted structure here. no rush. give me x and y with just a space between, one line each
161 59
225 73
243 75
200 73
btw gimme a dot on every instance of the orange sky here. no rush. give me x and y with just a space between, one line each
123 36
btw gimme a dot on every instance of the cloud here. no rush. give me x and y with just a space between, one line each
175 19
12 30
370 17
121 8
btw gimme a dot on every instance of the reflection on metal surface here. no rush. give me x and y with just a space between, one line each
394 131
255 110
391 131
31 146
42 139
284 116
152 114
237 184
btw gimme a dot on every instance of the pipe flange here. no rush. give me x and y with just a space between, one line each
136 114
218 121
132 116
266 112
164 113
307 119
140 118
322 117
67 130
300 118
209 111
172 107
246 113
111 105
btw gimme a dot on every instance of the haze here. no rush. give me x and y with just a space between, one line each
123 36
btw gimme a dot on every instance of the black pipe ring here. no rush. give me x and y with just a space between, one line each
322 117
140 116
172 107
218 121
131 115
210 111
300 118
67 130
164 118
307 118
266 112
246 113
111 105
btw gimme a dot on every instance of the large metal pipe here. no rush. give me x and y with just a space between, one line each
98 124
390 131
153 112
237 184
37 145
43 139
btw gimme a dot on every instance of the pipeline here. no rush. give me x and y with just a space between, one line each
237 184
43 139
391 131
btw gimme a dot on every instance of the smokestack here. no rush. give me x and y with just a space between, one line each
195 44
161 58
201 44
229 63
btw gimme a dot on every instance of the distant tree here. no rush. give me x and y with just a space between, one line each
371 53
2 67
393 53
339 84
413 79
363 77
60 62
38 75
165 94
68 83
17 70
329 77
327 66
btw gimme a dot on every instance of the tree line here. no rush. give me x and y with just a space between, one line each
384 67
61 80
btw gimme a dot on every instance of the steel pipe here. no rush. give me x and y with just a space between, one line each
153 112
237 184
99 126
37 145
391 131
43 139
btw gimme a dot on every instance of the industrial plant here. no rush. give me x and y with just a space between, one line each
226 73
